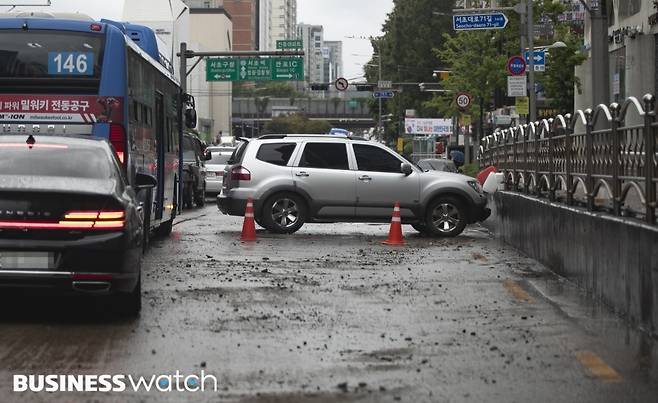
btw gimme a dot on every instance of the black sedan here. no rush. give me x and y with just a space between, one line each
68 219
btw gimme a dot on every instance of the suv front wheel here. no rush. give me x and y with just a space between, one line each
283 213
446 217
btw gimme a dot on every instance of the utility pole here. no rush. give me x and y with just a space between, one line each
531 63
379 58
181 124
599 56
185 54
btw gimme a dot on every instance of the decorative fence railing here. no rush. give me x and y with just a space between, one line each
593 158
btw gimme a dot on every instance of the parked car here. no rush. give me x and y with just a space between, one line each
194 171
215 166
294 179
437 164
68 219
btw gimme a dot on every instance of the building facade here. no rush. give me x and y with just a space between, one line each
284 20
265 16
211 29
333 64
313 38
632 52
246 23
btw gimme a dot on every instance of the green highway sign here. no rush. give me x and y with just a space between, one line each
255 69
221 70
290 44
289 68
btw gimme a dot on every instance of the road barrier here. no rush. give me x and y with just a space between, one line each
580 197
594 158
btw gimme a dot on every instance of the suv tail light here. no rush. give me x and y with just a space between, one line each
240 173
118 140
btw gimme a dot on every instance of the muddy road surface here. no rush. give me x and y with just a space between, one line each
331 315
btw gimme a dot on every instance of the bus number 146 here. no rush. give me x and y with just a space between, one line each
70 63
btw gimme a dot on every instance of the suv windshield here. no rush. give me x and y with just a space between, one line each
54 160
50 54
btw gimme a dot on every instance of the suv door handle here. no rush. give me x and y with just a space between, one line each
365 178
304 174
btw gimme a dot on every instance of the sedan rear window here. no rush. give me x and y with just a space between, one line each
219 159
54 160
276 153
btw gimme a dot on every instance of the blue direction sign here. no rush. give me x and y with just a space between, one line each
383 94
539 57
469 22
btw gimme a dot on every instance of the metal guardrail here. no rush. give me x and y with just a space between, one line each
592 158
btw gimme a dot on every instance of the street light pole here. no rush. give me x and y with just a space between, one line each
532 100
379 124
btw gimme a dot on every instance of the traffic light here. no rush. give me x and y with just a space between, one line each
365 87
319 87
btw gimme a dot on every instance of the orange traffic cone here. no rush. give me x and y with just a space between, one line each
249 226
395 233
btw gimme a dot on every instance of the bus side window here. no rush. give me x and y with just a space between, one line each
145 115
134 111
168 136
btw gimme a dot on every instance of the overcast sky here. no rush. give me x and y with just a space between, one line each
340 18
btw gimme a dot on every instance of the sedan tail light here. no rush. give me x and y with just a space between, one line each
101 220
240 173
75 220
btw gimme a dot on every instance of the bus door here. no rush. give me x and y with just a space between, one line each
160 147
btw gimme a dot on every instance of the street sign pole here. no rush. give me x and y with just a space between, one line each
185 54
532 116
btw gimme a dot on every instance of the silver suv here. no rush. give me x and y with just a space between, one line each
294 179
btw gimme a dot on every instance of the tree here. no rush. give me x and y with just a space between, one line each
477 61
411 31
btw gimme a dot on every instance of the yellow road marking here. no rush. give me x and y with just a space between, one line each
598 367
517 292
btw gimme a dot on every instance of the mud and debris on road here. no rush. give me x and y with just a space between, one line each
332 315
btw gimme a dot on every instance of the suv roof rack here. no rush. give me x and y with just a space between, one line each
332 136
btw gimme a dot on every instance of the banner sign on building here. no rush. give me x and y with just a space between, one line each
436 127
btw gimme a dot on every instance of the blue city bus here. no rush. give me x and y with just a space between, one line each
104 79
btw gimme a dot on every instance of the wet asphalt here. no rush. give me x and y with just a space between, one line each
331 315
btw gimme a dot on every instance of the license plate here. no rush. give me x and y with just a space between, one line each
27 260
210 174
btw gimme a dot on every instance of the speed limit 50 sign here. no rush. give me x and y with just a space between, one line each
463 100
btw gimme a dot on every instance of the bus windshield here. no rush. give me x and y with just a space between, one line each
50 54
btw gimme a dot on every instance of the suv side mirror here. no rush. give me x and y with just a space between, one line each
207 156
406 169
144 181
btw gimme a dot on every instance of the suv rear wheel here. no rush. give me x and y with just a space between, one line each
283 213
446 217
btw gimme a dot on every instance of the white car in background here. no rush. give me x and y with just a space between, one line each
215 168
